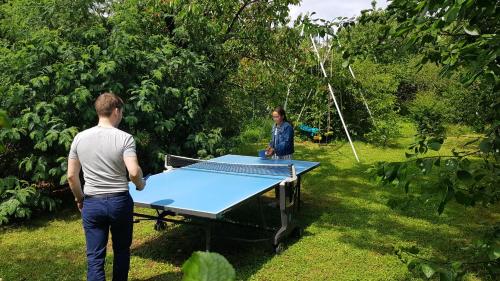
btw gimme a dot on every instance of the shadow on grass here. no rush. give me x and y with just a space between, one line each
335 198
346 200
168 276
178 242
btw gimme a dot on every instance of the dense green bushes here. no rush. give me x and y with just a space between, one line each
169 61
428 113
19 199
256 130
460 37
194 74
50 81
387 74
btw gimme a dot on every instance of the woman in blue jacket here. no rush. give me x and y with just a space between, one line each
281 144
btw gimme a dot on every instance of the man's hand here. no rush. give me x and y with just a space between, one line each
135 172
74 167
79 205
143 185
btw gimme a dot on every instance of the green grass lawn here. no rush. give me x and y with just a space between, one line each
349 231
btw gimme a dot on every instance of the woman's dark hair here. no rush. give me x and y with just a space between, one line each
281 112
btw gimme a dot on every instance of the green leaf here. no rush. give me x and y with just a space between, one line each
451 164
131 120
462 198
494 253
63 180
203 266
391 171
406 186
445 275
427 165
422 149
413 250
464 175
485 146
41 146
471 142
441 206
428 270
452 14
450 193
409 155
420 6
471 31
436 146
106 67
4 121
456 265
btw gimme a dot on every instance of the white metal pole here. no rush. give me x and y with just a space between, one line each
334 99
362 96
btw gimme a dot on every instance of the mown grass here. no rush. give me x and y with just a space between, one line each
350 232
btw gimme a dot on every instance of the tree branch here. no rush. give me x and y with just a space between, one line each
446 33
445 156
237 15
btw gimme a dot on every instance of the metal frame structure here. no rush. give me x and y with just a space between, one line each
288 200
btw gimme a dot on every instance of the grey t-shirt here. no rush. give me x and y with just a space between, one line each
100 151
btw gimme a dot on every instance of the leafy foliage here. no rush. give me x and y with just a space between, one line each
207 266
461 37
484 254
4 123
256 131
452 33
460 177
18 200
169 60
193 73
427 112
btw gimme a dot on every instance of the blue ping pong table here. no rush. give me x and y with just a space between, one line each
193 191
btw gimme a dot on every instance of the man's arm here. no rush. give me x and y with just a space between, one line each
134 171
74 167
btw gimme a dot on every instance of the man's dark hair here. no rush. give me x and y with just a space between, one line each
106 103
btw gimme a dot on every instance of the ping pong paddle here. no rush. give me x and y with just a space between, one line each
145 179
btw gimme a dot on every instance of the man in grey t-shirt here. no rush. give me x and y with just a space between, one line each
105 154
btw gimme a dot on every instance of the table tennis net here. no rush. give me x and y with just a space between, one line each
175 161
286 170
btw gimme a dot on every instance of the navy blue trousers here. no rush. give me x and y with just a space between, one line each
100 216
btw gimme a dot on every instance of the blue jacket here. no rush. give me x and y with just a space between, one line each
282 141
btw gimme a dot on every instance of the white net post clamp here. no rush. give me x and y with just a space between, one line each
167 167
292 180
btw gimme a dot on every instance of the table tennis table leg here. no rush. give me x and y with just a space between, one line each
261 211
298 193
208 237
287 225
